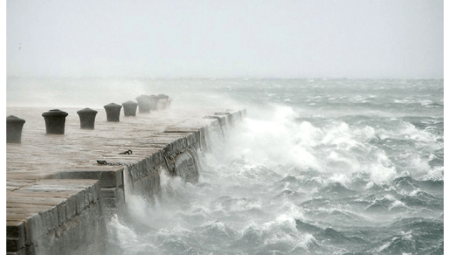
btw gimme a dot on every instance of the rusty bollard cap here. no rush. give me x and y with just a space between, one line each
55 112
112 105
14 119
86 110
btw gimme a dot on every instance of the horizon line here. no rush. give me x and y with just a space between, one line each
216 78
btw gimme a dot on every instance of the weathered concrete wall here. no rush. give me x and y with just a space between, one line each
177 157
61 216
67 212
143 178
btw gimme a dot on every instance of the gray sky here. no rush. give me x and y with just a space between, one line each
279 38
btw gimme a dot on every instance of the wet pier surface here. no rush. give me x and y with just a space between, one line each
41 155
36 184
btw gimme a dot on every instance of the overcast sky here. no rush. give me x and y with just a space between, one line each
278 38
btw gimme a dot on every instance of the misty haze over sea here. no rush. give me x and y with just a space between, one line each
255 38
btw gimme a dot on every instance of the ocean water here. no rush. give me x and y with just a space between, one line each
318 167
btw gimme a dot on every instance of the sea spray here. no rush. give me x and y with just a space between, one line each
357 172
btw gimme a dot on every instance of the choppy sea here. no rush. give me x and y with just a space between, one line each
318 167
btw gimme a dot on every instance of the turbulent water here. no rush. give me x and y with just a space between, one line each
318 167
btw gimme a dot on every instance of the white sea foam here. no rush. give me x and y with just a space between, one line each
278 166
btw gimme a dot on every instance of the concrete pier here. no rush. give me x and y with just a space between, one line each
58 194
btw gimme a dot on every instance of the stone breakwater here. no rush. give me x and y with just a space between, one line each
59 197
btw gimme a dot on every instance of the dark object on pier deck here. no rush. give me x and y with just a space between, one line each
113 112
129 108
163 101
87 118
14 127
144 103
55 121
153 102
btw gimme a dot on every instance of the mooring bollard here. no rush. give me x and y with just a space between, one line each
113 112
169 101
162 102
87 118
153 102
14 127
55 121
144 103
129 108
